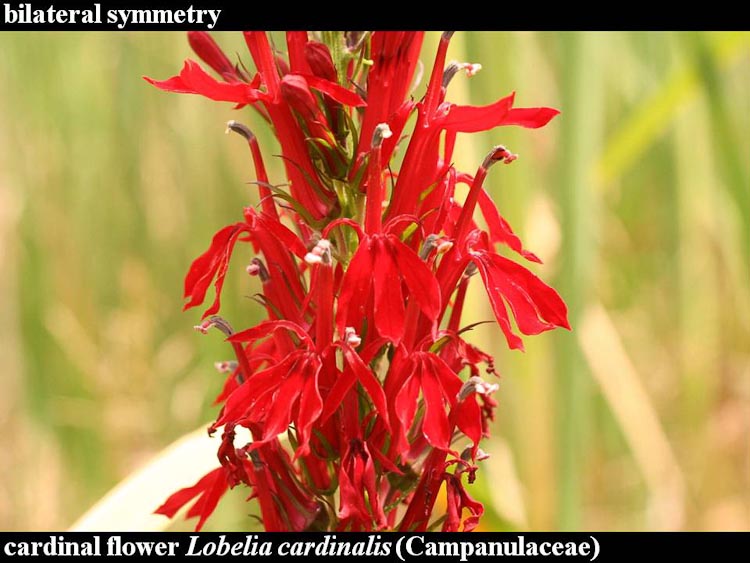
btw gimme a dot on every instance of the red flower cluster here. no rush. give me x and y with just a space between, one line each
361 362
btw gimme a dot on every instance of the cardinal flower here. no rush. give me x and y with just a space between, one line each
360 389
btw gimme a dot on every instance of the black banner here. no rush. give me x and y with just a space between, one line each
210 15
481 546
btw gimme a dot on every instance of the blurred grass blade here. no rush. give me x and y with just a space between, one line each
649 121
130 505
731 153
622 388
581 132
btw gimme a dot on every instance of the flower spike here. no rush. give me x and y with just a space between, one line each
360 389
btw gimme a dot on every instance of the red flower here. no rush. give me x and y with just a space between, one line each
357 474
458 500
283 393
376 276
211 264
536 306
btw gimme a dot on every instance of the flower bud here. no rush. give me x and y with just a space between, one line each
210 53
297 94
319 58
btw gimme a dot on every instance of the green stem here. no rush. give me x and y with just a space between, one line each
335 42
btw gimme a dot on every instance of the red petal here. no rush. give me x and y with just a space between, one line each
338 93
175 84
255 390
368 380
452 509
450 383
230 385
277 243
499 229
395 56
532 118
310 407
372 348
220 275
435 426
475 508
267 327
536 306
290 240
389 301
406 407
208 501
418 278
295 91
333 401
468 417
397 225
396 122
355 287
194 80
458 500
471 119
213 262
260 50
387 464
210 488
522 304
370 484
206 264
532 290
343 221
296 42
351 503
498 307
280 413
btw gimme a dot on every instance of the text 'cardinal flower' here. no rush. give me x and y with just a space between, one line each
360 395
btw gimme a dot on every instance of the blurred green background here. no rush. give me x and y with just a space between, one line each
637 198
